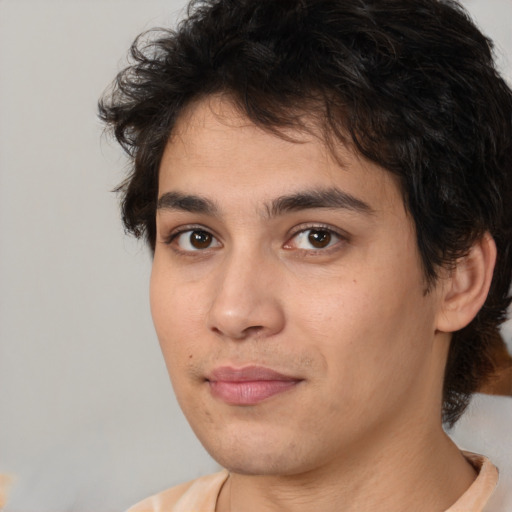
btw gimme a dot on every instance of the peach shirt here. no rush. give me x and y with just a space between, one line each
201 495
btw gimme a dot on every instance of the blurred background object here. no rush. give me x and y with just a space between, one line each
5 485
500 383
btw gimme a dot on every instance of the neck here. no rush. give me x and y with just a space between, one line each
423 474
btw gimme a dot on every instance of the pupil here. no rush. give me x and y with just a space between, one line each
200 239
319 239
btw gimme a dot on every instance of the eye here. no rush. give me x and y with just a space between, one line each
313 239
194 240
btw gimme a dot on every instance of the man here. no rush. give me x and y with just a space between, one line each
325 186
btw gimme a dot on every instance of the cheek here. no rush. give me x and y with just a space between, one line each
368 329
175 311
173 314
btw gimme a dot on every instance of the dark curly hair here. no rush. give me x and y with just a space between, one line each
411 84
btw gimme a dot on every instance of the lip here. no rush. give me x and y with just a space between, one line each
249 385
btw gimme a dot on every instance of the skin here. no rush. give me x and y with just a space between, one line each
351 322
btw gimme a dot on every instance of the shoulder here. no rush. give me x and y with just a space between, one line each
202 492
168 497
481 490
485 428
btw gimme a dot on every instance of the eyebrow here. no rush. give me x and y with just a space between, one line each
186 202
323 198
333 198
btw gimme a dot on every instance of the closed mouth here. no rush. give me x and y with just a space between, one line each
249 385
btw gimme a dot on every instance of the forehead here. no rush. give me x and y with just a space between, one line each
216 149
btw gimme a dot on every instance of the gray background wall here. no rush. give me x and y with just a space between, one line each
88 421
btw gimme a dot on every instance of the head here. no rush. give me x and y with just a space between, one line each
406 90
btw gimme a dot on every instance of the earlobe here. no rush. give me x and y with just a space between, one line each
465 289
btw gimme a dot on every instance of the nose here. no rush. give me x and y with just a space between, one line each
246 299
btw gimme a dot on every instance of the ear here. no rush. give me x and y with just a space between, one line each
465 289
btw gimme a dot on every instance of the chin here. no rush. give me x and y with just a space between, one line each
257 464
261 454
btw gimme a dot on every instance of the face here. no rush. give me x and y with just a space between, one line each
288 297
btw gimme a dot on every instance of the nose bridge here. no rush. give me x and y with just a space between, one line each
245 301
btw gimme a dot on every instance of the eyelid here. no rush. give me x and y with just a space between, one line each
296 230
342 235
180 230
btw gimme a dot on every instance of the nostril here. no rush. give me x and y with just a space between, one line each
254 330
249 332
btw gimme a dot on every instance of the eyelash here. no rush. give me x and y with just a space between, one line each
342 237
172 237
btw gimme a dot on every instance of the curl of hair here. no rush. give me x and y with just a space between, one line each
410 83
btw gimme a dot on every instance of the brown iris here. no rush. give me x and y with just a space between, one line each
200 239
319 239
